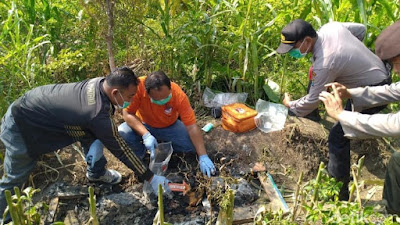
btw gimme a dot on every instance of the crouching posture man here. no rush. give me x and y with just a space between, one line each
51 117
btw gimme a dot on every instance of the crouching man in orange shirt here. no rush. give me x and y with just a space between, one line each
153 115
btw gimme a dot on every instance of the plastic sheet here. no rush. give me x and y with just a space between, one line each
271 116
211 99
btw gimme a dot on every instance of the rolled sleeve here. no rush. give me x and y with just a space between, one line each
357 125
368 97
308 103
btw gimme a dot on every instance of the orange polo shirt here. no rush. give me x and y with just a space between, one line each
160 116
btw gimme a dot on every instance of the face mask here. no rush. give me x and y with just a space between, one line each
163 101
126 104
296 53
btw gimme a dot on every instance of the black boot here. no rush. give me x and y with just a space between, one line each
344 190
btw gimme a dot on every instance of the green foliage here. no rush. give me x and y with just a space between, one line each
225 216
21 208
272 96
68 66
92 208
319 201
34 37
18 48
227 45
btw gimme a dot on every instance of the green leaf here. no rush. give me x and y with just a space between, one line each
270 93
389 11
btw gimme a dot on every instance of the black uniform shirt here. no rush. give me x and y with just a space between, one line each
53 116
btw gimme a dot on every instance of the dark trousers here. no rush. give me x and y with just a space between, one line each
339 146
391 190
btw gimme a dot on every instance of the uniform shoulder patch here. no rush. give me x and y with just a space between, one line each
91 92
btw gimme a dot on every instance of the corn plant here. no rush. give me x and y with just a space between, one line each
18 46
225 216
159 218
21 208
92 208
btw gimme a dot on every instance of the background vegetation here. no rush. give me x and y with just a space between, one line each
227 45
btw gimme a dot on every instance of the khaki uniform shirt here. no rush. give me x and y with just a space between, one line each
378 125
339 55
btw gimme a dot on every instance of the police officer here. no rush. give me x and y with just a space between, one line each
359 125
338 54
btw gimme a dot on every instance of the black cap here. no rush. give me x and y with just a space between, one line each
293 32
387 44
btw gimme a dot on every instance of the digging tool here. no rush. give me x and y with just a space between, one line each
176 187
275 196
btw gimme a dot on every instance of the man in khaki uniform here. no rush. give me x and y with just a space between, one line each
357 125
338 54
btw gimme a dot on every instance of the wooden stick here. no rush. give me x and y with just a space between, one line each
296 196
243 221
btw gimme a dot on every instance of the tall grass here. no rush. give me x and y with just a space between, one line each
231 43
32 34
19 55
228 45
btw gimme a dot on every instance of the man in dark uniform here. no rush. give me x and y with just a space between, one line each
51 117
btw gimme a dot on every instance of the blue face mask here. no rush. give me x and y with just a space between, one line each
126 104
162 101
296 53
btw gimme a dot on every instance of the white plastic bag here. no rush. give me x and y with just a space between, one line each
271 116
211 99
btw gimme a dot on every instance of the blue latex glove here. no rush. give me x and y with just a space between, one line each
160 180
151 143
206 165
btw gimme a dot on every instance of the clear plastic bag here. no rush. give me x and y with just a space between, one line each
159 164
271 116
211 99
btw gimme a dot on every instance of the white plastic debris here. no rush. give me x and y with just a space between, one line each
271 116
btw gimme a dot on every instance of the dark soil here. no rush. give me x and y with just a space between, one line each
300 146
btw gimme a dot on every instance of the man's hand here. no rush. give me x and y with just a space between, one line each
341 90
206 165
286 100
151 143
156 180
333 103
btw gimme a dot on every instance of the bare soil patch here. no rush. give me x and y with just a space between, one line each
300 146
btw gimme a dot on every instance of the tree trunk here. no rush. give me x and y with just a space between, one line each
110 34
